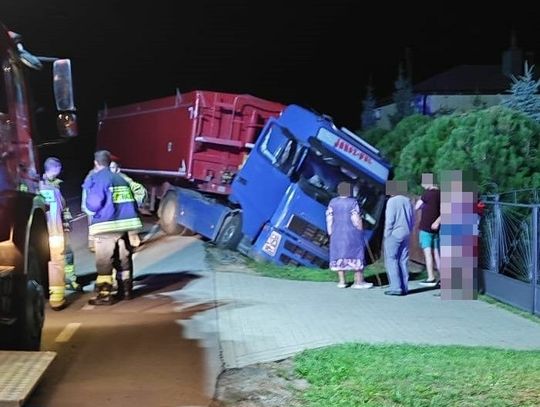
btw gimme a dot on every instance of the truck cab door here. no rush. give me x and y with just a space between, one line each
260 185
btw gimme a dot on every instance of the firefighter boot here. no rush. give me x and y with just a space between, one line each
70 278
125 286
57 299
104 291
125 290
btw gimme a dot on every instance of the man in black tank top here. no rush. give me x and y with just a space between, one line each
430 206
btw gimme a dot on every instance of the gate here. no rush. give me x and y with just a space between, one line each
509 248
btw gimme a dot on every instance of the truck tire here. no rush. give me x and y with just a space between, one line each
32 313
168 214
230 234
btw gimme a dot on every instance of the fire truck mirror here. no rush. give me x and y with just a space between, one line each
29 60
63 86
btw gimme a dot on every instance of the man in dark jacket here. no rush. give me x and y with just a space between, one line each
110 199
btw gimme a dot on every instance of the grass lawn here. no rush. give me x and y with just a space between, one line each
407 375
310 274
371 272
515 310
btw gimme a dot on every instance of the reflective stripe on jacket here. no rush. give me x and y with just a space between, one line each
111 200
139 191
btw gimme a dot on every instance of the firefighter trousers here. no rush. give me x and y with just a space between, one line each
113 251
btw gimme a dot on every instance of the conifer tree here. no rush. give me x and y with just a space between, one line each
524 95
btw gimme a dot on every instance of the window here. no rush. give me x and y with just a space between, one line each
280 148
321 173
273 144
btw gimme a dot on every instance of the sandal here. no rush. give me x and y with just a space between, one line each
362 286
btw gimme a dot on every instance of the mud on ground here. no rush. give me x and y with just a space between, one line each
273 384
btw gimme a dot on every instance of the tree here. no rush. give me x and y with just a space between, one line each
406 130
368 113
420 154
524 95
403 97
496 145
373 136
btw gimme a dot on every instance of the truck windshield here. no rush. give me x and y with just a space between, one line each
321 172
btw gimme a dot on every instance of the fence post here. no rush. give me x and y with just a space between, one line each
534 274
497 235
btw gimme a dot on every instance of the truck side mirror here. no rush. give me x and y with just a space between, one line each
63 95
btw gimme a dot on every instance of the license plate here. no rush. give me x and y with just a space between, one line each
272 244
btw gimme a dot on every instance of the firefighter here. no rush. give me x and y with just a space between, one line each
88 213
110 199
139 193
61 267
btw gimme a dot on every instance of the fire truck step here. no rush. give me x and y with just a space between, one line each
19 374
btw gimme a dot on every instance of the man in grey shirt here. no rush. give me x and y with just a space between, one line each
398 227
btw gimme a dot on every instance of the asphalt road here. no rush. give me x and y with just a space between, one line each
134 353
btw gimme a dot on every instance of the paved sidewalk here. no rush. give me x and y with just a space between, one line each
263 319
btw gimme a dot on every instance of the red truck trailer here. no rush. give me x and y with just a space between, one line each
198 139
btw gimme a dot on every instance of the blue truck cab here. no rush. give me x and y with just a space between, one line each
290 177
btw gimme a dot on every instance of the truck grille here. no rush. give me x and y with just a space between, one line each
308 231
288 261
302 253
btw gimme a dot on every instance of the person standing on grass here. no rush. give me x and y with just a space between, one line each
344 226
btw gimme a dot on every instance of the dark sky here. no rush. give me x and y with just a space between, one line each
319 54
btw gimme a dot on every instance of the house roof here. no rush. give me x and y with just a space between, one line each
466 79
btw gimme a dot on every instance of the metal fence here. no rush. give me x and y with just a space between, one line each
509 249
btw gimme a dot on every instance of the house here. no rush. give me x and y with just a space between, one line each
463 87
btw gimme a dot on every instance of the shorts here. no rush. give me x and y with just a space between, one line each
429 240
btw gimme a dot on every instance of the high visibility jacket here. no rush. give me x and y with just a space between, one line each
54 184
111 200
54 213
139 191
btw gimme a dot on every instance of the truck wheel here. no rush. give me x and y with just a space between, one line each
168 214
32 313
230 234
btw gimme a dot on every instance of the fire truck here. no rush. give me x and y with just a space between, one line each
245 173
24 239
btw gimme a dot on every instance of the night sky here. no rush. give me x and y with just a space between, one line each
319 54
